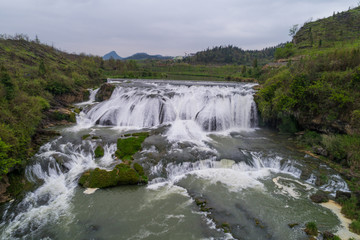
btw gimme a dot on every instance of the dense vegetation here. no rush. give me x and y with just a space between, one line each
317 89
232 55
35 77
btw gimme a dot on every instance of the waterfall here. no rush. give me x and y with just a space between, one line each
212 107
193 124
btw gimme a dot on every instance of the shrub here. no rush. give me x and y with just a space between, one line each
355 226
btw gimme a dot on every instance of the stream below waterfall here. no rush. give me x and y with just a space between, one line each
204 145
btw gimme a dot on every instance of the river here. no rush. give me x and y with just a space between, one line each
205 149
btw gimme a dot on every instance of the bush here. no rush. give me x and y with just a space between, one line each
355 226
285 52
5 161
311 138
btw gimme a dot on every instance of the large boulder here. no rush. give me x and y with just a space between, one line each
104 92
319 197
122 174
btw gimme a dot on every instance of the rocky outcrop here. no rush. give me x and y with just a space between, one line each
4 184
122 174
104 92
319 197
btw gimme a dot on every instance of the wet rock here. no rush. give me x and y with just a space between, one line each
94 228
319 197
104 92
320 151
292 225
342 196
4 183
328 235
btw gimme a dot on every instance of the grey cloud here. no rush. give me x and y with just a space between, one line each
169 27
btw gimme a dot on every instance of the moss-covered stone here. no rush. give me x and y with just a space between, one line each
139 168
77 110
311 229
292 225
126 147
85 136
122 174
99 152
104 92
226 227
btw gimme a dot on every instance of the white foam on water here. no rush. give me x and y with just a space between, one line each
288 188
90 190
52 200
187 131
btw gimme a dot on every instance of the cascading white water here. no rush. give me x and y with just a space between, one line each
213 107
194 113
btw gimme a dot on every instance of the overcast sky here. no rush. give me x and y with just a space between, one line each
167 27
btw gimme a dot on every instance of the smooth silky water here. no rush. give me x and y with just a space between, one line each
204 144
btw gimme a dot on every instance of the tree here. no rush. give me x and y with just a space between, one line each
5 161
42 69
8 84
255 63
293 30
37 39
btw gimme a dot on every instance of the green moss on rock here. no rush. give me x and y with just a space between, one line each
126 147
311 229
99 152
122 174
85 136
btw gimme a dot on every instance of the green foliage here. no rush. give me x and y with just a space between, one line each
5 161
311 138
350 208
232 55
311 229
288 124
42 69
328 31
139 168
343 148
99 152
355 226
7 83
285 51
59 116
31 75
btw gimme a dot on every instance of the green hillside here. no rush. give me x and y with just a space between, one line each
315 88
340 27
34 78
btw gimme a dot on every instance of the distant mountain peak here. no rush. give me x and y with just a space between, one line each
136 56
113 55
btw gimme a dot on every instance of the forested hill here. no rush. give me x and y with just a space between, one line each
340 27
35 77
232 55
